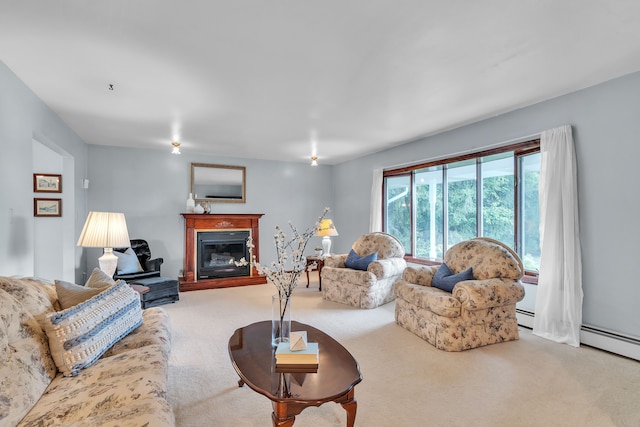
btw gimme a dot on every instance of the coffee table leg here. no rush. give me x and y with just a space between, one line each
351 406
280 417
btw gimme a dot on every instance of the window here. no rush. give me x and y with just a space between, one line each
494 193
529 223
398 206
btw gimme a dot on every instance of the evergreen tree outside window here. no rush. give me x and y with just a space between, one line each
494 193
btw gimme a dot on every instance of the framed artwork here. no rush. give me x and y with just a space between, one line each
47 183
47 207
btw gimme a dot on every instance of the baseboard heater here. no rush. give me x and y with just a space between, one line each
592 336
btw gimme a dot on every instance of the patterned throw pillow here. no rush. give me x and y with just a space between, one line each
357 262
79 335
445 279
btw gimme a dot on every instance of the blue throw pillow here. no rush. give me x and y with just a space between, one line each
445 279
128 262
357 262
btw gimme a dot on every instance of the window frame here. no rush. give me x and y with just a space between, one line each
519 150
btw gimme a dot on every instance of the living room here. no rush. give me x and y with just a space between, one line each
150 186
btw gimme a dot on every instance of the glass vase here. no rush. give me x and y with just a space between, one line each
281 319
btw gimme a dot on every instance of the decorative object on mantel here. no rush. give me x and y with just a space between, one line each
326 229
284 273
198 209
191 204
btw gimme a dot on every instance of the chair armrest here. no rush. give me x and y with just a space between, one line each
335 260
153 264
420 274
483 294
388 267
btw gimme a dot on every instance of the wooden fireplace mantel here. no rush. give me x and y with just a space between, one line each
195 223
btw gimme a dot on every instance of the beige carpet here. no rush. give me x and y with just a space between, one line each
406 382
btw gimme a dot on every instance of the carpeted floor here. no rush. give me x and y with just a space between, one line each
406 382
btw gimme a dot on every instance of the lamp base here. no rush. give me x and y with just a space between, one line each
108 262
326 245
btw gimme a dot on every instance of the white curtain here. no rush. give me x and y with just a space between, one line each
558 310
375 216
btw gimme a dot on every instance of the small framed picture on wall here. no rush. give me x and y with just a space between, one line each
47 207
47 183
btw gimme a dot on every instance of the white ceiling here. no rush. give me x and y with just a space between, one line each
285 79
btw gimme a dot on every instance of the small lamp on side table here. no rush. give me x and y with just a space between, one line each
106 230
326 229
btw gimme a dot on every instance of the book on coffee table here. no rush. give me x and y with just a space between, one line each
308 356
297 368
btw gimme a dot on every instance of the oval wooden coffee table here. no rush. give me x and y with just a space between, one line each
338 373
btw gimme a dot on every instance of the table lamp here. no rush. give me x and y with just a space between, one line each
326 229
106 230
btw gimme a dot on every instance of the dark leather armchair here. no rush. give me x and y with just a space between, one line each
151 266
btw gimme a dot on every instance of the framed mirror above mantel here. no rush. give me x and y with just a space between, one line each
218 183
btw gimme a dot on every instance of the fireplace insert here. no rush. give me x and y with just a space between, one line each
218 251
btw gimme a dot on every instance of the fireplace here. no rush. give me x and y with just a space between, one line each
212 244
219 251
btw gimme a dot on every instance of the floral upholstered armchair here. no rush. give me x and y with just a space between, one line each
477 312
379 262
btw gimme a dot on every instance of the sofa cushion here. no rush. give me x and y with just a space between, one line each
435 300
26 367
445 279
155 330
79 335
128 389
358 262
128 262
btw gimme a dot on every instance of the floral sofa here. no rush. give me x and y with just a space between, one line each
122 385
477 312
372 285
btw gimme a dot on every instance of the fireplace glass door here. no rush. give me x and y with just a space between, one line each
218 253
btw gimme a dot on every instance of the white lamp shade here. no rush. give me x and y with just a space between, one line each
326 228
104 230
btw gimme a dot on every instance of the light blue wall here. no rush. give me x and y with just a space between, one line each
152 186
606 129
24 118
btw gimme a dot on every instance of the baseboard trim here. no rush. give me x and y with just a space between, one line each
602 339
525 318
610 341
